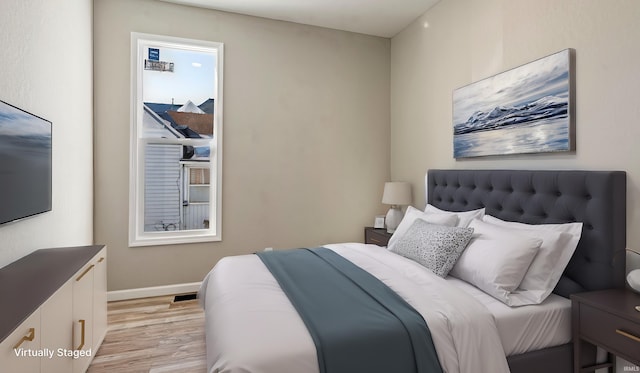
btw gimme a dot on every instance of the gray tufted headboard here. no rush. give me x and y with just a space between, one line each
596 198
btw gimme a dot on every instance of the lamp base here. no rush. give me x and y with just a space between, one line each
633 279
393 218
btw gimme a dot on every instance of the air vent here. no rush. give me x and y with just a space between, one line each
185 297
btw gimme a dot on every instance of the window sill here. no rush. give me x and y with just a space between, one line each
174 238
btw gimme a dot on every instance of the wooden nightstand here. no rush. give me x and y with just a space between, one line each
607 319
376 236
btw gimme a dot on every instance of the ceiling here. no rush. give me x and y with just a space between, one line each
383 18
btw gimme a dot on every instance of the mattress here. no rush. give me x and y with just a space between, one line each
526 328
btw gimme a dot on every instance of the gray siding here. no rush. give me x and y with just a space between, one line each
195 215
162 187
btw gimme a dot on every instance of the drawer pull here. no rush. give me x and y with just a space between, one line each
628 335
85 272
26 338
82 322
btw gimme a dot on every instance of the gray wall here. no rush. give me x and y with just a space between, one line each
306 136
467 40
46 65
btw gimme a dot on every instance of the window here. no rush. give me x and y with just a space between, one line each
176 140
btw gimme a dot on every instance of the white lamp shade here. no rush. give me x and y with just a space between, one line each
397 193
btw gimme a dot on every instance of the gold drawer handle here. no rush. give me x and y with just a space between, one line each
26 338
82 324
85 272
628 335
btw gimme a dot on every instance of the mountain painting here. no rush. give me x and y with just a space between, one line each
523 110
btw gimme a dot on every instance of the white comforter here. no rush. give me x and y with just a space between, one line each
252 327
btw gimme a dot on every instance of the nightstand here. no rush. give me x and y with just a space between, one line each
376 236
607 319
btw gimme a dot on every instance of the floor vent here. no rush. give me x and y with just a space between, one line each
185 297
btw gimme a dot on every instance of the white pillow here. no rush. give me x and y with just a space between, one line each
496 259
436 247
559 244
464 217
412 214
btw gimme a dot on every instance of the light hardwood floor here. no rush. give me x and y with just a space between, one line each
152 335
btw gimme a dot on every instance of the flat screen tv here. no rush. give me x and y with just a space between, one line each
25 164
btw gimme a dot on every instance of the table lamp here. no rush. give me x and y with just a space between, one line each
396 194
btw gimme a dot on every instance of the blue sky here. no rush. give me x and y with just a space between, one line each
193 77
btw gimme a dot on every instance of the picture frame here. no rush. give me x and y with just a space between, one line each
379 222
528 109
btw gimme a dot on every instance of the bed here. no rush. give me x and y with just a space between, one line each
254 321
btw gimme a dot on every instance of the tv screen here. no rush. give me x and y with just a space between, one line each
25 164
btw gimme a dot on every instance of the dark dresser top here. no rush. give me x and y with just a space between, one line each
29 281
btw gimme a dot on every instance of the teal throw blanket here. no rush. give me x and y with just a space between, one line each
357 323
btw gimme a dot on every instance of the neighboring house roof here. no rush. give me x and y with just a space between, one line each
188 132
164 115
156 126
207 106
201 124
161 108
186 120
190 107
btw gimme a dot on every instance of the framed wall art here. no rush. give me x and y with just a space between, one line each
528 109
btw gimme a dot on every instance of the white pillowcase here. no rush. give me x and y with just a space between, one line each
495 260
559 244
412 214
464 217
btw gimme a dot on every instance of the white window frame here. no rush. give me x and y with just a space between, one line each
137 235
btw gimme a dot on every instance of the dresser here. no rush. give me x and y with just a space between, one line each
53 314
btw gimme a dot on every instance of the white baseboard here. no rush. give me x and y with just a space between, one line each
155 291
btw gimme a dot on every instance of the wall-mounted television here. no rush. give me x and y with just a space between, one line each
25 164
